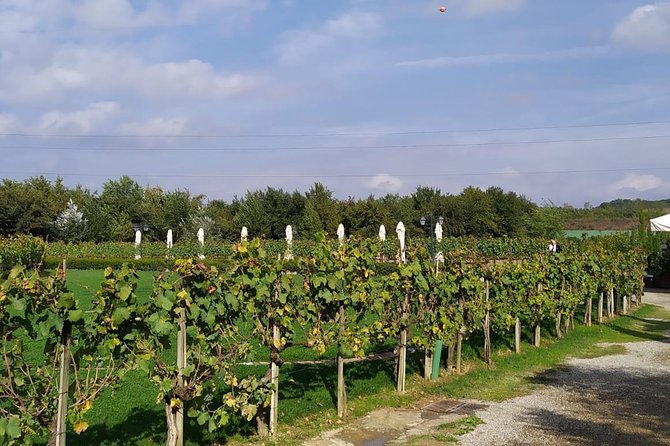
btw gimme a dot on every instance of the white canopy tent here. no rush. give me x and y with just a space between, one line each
661 223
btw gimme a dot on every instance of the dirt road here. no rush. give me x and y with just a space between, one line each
610 400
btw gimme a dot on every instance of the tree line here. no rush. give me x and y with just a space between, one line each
50 210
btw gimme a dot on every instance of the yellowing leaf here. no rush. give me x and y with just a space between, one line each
175 402
80 426
230 401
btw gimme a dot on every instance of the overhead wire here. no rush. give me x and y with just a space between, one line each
333 134
350 175
343 147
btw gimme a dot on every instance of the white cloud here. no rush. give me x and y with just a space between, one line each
160 126
75 69
385 182
300 44
122 15
510 172
647 28
8 123
119 14
478 7
640 183
80 121
503 58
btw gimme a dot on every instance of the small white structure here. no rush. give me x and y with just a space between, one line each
400 230
244 235
169 239
201 240
382 233
438 232
340 233
138 242
660 224
289 243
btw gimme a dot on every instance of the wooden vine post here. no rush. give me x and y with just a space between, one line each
402 349
517 335
459 349
487 328
587 311
64 379
341 385
559 315
450 358
610 301
432 356
341 388
427 364
181 364
274 377
538 328
600 307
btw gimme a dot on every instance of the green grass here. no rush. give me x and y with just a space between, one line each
130 415
447 433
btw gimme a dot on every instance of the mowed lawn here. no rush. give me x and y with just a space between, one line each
130 415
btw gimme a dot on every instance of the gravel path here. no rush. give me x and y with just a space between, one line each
611 400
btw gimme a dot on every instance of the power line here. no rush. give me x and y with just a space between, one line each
329 134
348 147
365 175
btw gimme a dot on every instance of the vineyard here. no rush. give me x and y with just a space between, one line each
343 301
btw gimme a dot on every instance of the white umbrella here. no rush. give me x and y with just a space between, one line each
382 233
289 243
138 242
438 232
169 239
244 235
201 239
340 233
400 230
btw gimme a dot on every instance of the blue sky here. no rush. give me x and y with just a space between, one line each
561 101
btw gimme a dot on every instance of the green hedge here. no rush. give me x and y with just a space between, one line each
21 250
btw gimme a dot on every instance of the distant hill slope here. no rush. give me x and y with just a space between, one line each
631 208
617 215
601 224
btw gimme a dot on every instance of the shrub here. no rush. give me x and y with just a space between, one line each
21 250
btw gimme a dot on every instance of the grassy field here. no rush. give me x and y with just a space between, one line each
130 415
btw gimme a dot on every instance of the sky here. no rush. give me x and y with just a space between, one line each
560 101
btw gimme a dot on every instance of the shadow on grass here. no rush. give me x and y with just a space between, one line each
650 329
611 407
142 426
147 427
320 380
